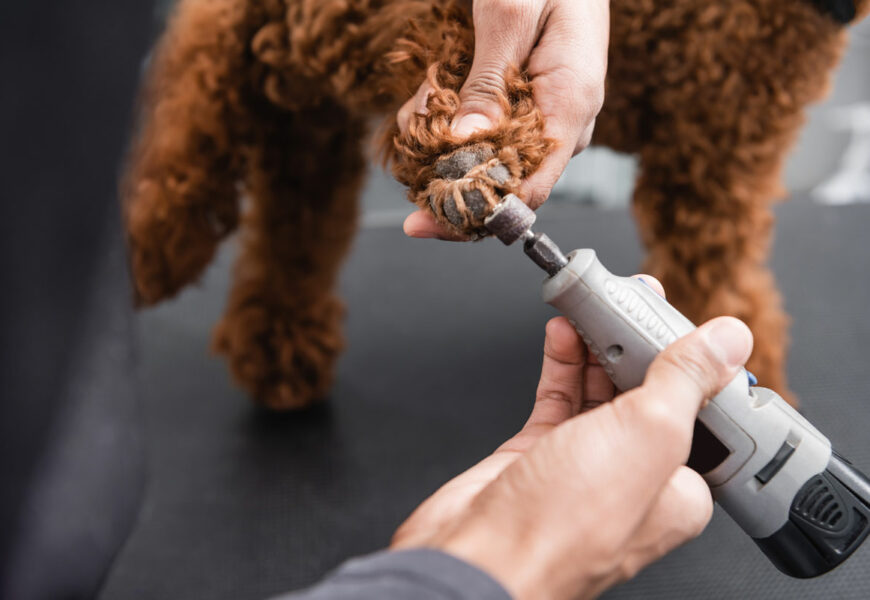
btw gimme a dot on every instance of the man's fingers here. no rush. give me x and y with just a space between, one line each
536 188
597 386
570 92
572 380
560 389
405 114
697 366
570 104
680 513
505 32
689 371
653 283
569 120
415 105
422 224
660 414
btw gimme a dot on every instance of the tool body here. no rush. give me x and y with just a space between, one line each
774 473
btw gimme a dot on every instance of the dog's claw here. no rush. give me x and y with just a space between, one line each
456 165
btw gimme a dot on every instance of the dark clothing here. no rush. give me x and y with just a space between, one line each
407 575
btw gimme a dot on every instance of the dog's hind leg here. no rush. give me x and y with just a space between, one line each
706 223
281 331
712 111
179 189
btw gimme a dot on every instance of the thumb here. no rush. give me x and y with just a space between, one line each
660 413
505 33
696 367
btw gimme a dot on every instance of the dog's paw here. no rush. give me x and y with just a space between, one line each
460 180
283 358
170 244
468 184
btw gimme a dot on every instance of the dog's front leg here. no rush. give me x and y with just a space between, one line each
281 331
706 222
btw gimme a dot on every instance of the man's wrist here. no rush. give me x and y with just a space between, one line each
526 569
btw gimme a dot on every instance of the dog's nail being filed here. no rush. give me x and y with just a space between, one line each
457 165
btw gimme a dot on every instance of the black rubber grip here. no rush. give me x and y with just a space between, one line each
829 519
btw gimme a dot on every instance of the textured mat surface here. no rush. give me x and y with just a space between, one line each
243 504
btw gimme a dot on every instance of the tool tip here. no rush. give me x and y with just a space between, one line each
510 220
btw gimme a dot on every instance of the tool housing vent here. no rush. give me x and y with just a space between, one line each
820 504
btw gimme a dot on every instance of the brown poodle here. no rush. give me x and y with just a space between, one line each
257 111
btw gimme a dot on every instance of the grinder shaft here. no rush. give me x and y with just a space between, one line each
512 220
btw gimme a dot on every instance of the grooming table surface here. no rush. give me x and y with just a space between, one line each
444 350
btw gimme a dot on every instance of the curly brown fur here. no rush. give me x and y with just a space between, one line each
281 329
180 190
711 131
268 100
517 143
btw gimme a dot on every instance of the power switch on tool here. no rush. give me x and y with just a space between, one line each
776 463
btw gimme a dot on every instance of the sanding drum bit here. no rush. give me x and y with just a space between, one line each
512 220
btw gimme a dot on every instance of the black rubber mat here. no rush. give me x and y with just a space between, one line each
443 358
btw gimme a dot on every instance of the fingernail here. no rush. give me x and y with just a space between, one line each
730 340
647 284
423 105
471 124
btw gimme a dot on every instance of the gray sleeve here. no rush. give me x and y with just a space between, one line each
407 575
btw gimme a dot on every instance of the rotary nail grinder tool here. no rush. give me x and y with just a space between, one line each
806 507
